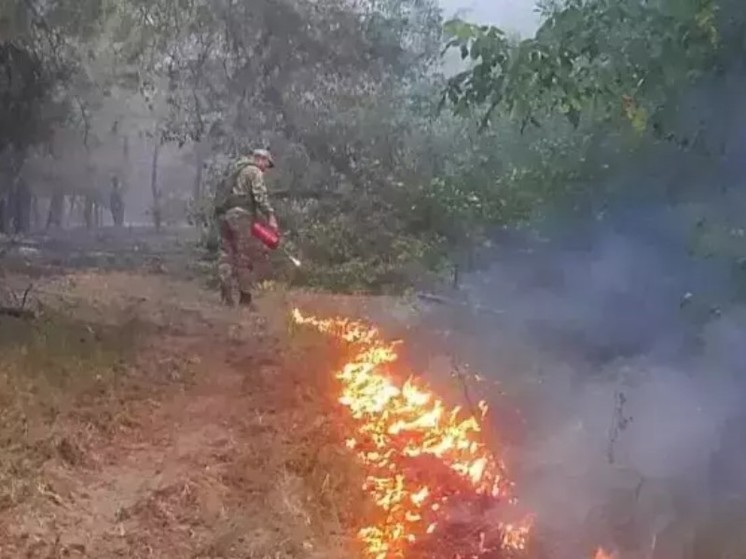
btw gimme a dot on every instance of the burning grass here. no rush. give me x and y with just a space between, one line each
438 489
440 492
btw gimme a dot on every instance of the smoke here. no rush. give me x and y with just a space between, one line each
621 343
623 357
115 139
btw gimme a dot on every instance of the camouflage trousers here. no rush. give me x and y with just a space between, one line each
237 248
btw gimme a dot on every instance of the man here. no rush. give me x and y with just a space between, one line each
240 197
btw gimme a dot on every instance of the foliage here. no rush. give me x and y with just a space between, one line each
24 91
636 83
606 57
374 185
311 80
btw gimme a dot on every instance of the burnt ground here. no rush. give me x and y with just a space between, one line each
141 419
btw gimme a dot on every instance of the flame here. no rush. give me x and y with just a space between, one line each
419 455
601 554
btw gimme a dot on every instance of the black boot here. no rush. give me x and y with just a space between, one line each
245 300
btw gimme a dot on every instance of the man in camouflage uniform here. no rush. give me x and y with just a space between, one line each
244 195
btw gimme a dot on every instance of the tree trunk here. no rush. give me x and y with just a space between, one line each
35 217
126 157
154 186
197 188
200 153
3 215
56 209
73 201
22 207
11 198
88 212
116 206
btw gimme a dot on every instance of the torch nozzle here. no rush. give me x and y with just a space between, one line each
296 262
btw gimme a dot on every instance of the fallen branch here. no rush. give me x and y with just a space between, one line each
17 312
459 373
431 297
18 309
22 302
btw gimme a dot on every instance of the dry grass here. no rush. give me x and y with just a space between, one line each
103 450
321 479
48 367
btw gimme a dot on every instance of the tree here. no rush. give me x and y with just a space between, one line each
46 89
25 99
310 79
607 58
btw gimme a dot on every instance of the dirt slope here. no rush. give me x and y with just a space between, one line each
218 437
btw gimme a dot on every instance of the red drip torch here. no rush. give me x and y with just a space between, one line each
267 235
270 238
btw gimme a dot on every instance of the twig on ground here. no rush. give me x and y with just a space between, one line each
25 295
19 310
21 301
16 312
459 373
433 298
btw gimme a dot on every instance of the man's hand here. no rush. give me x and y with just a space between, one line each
273 222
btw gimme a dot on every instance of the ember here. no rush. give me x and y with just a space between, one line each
436 484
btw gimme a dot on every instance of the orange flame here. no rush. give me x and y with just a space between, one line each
601 554
419 455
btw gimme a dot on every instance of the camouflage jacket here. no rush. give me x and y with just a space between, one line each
245 188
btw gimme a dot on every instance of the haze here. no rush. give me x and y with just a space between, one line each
513 15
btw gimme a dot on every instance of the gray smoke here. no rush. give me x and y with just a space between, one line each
621 343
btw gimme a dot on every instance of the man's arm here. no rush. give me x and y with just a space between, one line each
252 181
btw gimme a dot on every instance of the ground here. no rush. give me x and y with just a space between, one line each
142 419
